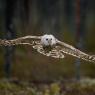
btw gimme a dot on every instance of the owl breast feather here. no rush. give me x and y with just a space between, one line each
48 48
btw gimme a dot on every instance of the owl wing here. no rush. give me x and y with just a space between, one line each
70 50
35 42
52 53
26 40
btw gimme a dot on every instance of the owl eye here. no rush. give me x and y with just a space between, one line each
51 39
46 39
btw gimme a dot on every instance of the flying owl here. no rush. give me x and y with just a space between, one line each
50 46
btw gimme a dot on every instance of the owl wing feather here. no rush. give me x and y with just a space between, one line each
70 50
26 40
52 53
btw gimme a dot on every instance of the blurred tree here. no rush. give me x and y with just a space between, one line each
26 8
69 14
68 9
81 7
9 34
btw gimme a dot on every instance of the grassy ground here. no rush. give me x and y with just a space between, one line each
84 87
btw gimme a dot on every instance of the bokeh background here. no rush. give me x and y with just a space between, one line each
71 21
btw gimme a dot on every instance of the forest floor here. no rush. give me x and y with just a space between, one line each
84 87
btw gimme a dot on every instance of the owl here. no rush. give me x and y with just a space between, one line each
50 46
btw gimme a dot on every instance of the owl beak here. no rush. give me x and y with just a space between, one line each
49 41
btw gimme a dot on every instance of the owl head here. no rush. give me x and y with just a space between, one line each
48 40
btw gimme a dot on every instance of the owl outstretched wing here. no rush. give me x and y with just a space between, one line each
70 50
62 48
26 40
35 42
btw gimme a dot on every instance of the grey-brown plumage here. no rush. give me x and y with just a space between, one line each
50 46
